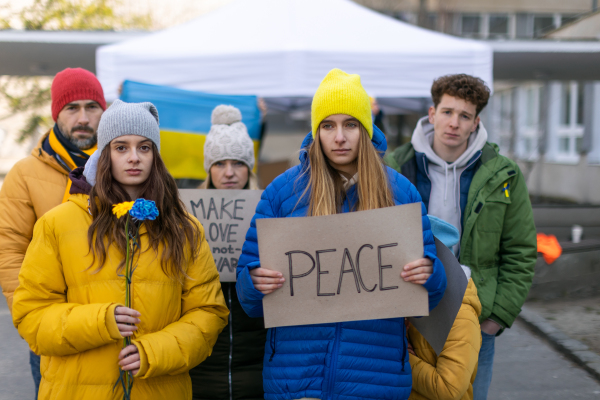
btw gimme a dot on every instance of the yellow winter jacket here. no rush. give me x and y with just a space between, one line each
451 375
65 312
31 188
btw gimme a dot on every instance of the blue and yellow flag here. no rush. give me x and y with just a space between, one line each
185 121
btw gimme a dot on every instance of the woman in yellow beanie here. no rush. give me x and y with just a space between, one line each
341 171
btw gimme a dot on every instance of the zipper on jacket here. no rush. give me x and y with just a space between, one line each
230 342
273 343
334 356
460 211
403 342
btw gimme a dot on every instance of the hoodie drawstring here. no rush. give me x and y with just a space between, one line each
445 182
454 191
454 184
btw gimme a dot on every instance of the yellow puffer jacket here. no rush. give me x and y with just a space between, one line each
35 185
66 313
451 375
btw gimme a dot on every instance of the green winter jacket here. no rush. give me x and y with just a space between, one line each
498 241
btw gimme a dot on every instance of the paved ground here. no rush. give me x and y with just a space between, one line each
577 318
526 368
15 375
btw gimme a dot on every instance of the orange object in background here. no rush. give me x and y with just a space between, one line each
549 247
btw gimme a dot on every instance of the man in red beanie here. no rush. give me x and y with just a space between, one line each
40 181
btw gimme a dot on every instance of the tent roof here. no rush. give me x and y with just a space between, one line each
283 48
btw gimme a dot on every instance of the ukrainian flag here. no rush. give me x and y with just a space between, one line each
185 121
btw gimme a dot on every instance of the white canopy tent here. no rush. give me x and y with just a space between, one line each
282 49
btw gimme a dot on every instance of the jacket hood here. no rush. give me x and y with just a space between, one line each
82 200
79 184
80 189
470 298
39 153
422 141
378 141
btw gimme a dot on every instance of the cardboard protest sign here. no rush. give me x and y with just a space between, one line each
436 327
343 267
225 216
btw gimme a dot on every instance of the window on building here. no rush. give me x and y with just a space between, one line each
505 110
432 19
531 107
524 26
528 145
580 105
500 114
565 104
498 25
470 25
529 131
565 19
570 130
542 24
563 144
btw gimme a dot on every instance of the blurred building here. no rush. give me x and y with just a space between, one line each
545 110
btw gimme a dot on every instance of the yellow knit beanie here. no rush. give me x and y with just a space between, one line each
341 93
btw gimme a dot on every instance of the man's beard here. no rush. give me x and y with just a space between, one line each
82 144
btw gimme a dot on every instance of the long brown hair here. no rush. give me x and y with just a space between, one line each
174 229
327 188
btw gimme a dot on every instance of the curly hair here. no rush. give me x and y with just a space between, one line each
463 86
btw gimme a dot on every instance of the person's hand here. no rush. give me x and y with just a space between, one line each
262 106
490 327
126 319
129 359
266 280
417 271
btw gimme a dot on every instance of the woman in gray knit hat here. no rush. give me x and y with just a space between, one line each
74 284
228 152
234 370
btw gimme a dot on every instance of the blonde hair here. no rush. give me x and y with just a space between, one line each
252 183
327 188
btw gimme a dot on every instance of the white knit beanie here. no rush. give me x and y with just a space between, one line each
228 138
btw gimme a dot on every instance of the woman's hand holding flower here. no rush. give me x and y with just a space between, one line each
126 319
417 271
129 359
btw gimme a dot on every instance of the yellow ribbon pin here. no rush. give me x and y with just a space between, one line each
505 190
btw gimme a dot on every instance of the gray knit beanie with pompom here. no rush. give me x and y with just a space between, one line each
228 138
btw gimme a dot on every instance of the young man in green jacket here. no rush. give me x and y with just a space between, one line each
464 181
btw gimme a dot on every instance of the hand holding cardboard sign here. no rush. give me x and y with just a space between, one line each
417 271
266 280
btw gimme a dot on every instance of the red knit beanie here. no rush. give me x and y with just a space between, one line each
74 84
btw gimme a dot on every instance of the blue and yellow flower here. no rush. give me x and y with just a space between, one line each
122 208
144 210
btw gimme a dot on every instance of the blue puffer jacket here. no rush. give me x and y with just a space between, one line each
341 361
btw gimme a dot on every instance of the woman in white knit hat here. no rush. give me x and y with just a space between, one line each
234 370
228 152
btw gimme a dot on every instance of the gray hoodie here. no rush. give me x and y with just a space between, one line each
444 200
